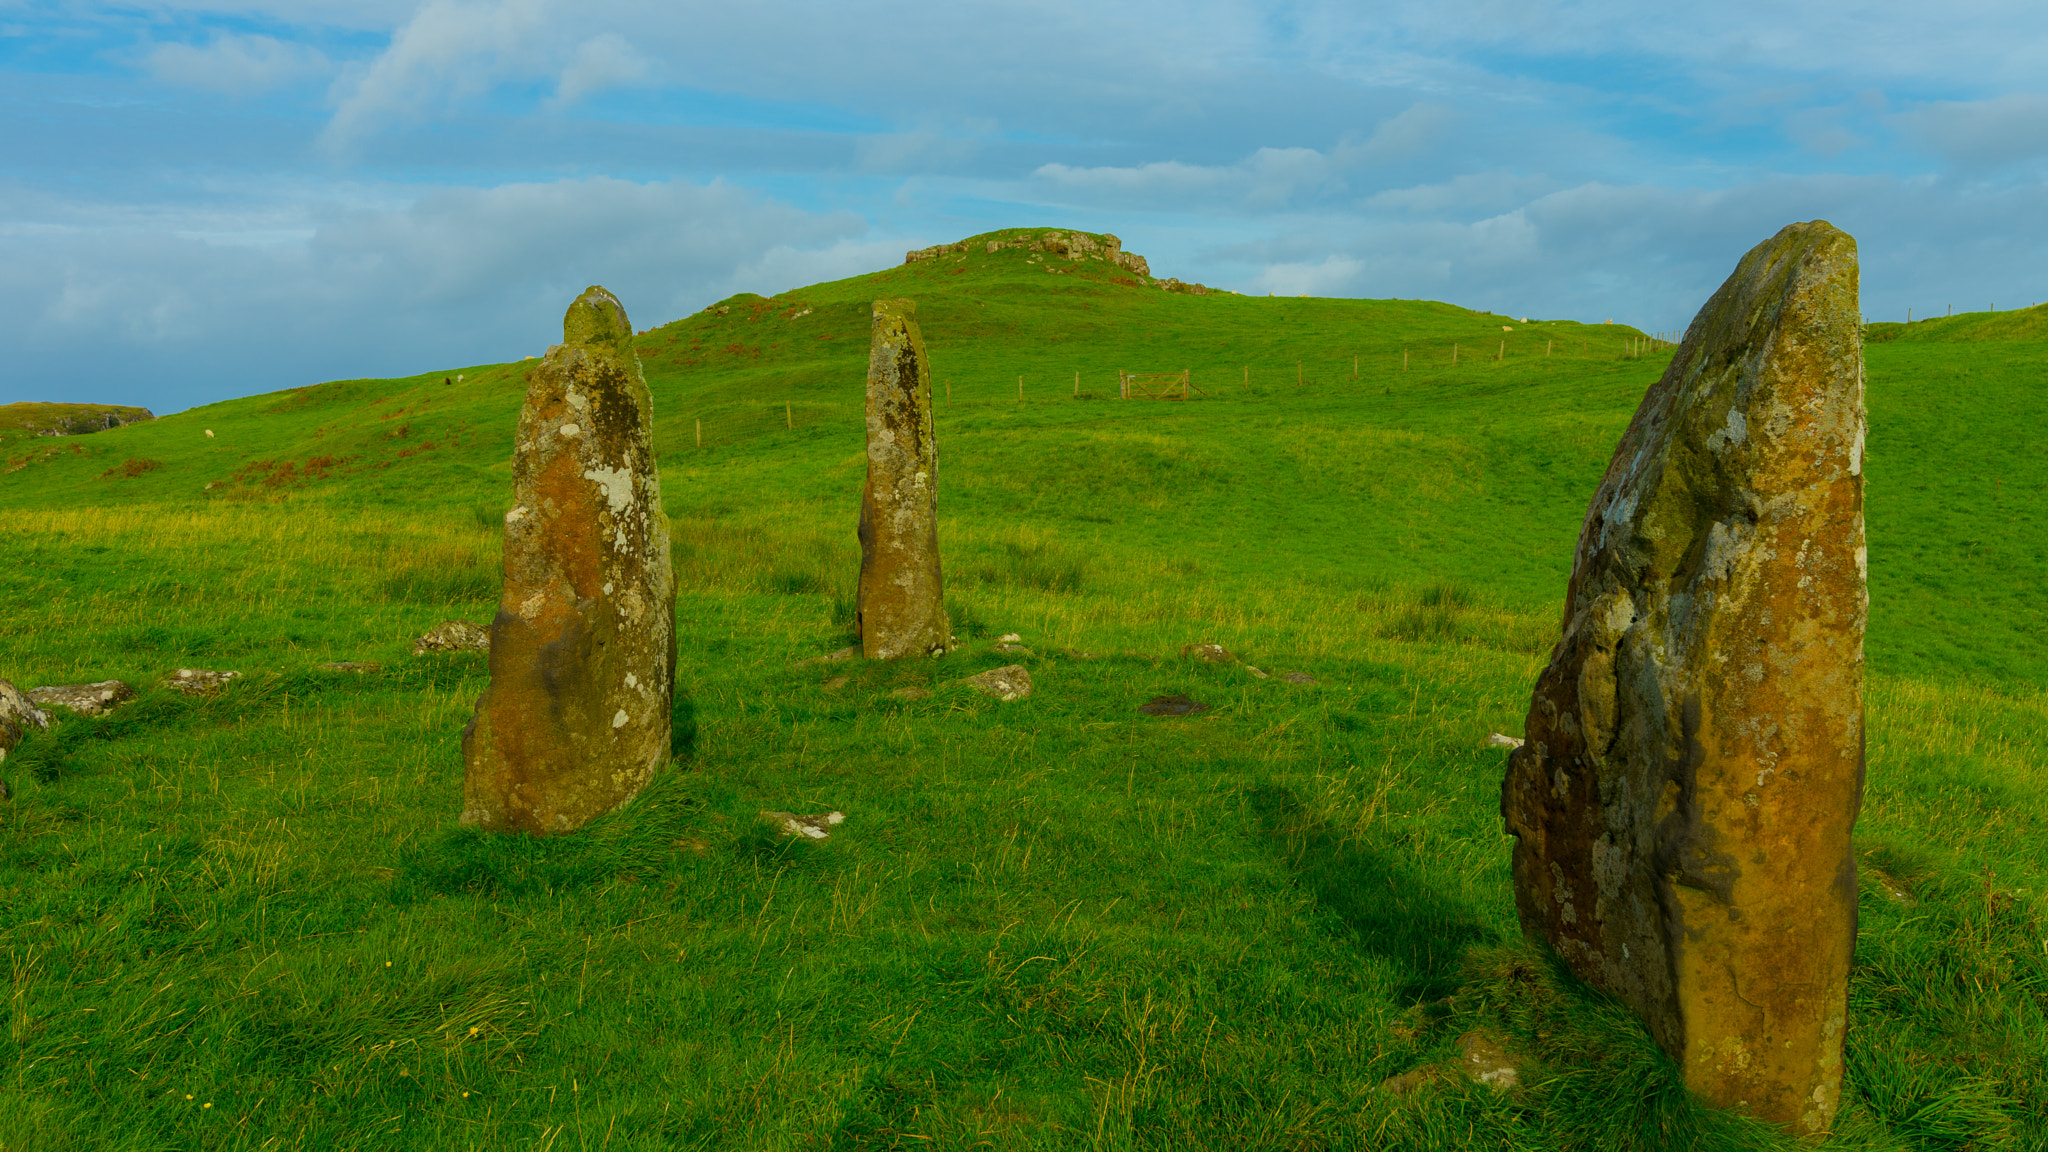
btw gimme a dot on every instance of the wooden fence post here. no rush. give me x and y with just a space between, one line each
700 432
788 421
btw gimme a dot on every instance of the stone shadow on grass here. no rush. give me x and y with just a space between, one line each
1389 907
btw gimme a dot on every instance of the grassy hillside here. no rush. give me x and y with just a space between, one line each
249 922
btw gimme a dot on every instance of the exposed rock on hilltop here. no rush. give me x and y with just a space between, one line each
69 419
1072 245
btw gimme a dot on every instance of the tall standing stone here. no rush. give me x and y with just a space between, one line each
576 718
1694 755
900 607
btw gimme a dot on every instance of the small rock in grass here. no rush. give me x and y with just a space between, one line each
1072 654
1496 740
1213 653
1011 648
1486 1062
18 717
1412 1079
359 667
198 681
831 657
912 692
84 699
1297 678
1172 706
817 827
1009 638
1255 672
453 636
1010 682
834 684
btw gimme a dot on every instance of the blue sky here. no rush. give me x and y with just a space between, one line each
207 200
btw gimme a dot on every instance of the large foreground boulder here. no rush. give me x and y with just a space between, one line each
1694 755
18 718
582 651
899 608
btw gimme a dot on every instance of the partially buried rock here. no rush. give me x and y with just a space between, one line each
1694 759
911 692
1010 682
18 718
359 667
577 716
1212 653
817 827
1172 706
84 699
199 681
899 607
1297 678
1485 1062
453 636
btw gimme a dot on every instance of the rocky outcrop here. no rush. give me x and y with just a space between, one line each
1071 245
899 605
18 718
84 699
1694 751
69 419
582 652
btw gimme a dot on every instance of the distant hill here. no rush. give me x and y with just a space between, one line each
2020 324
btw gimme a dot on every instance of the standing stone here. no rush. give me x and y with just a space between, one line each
1694 755
900 607
576 718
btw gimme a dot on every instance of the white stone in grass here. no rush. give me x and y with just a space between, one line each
1497 740
810 827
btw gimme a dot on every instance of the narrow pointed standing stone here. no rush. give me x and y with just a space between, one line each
900 607
1694 755
576 718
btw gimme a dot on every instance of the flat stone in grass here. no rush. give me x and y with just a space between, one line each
1010 682
1210 653
198 681
453 636
899 607
359 667
576 720
1172 706
84 699
18 717
810 827
831 657
1693 768
912 692
1297 678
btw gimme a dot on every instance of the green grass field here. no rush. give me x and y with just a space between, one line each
249 921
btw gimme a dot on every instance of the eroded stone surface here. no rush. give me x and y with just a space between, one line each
577 716
900 604
453 636
1010 682
1485 1062
1694 755
18 717
84 699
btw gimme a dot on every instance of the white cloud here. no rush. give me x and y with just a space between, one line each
1333 275
447 276
600 62
237 65
1972 133
450 49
